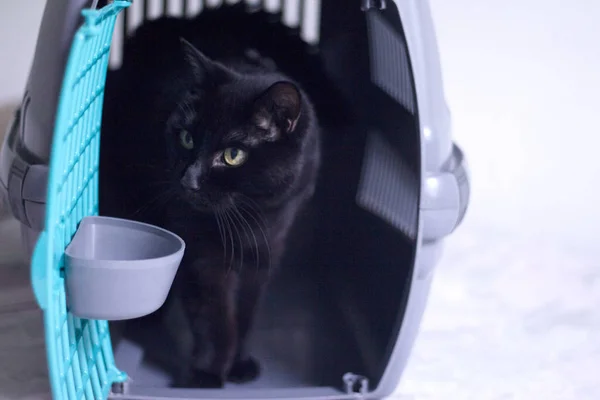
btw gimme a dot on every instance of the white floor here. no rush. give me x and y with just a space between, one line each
515 307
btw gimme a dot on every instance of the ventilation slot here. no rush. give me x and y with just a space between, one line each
387 187
390 67
303 15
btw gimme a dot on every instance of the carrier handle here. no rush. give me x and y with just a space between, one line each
445 197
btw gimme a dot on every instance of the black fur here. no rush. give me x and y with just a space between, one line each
171 114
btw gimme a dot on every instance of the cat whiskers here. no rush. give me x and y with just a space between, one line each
188 112
254 212
236 221
229 230
253 205
218 213
248 229
236 229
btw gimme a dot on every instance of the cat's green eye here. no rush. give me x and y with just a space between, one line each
234 157
186 140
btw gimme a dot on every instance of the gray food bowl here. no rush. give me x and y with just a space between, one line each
120 269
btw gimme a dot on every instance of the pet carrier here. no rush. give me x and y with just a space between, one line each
393 186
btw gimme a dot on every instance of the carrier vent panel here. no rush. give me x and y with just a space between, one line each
303 15
387 186
390 69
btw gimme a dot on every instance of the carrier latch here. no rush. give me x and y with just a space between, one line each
25 182
25 193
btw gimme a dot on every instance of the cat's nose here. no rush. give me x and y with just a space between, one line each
191 179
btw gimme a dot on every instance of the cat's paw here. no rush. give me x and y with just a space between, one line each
244 371
198 379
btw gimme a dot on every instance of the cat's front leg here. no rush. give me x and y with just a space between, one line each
208 299
251 287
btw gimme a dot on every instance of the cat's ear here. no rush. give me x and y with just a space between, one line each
202 66
279 108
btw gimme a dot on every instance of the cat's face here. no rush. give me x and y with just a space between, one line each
234 139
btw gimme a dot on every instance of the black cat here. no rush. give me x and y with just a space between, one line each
223 152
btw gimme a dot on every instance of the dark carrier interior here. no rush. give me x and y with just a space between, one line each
336 304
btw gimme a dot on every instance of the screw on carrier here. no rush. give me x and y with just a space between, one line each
373 5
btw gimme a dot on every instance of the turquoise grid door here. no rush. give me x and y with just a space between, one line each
80 356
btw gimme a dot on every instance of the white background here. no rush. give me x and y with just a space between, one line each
515 307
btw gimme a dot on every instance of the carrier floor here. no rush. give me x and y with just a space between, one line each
300 339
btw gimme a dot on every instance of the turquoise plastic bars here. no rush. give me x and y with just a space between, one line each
80 356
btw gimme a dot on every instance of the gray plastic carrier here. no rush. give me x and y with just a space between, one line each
341 327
